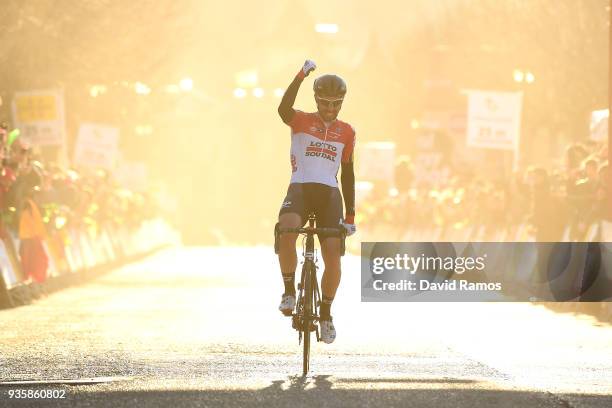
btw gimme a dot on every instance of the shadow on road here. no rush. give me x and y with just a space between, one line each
300 383
405 380
323 382
318 391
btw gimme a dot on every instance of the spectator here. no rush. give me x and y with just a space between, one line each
575 154
7 178
34 259
547 217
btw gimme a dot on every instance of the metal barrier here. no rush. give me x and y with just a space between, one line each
74 253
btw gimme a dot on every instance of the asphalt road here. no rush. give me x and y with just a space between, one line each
191 327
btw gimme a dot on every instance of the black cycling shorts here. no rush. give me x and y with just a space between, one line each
323 200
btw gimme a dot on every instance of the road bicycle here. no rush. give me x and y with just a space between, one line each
306 315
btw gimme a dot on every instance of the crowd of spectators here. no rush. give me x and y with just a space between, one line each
40 201
534 203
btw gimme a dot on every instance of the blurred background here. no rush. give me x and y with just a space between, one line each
182 95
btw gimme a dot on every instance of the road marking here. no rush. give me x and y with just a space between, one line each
78 381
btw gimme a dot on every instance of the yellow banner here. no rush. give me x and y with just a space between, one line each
36 108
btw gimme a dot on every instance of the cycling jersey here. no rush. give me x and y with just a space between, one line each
317 150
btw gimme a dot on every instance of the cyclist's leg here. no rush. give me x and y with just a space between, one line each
287 254
290 216
330 249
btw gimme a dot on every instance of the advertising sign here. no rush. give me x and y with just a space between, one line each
40 116
494 119
96 146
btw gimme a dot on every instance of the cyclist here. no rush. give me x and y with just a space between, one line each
320 144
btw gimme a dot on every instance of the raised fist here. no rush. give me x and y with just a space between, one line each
308 67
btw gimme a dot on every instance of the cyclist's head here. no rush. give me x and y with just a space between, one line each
329 93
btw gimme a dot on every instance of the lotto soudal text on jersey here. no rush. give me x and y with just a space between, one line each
322 149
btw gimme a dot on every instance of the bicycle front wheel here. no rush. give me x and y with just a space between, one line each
307 316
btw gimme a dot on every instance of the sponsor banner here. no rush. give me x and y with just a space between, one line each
486 271
96 146
40 116
599 125
494 119
376 161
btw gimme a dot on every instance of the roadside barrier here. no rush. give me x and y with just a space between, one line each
77 254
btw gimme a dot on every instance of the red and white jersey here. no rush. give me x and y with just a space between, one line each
317 150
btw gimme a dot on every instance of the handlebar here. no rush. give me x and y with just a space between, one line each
340 232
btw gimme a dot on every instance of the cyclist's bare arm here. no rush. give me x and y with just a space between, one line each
285 109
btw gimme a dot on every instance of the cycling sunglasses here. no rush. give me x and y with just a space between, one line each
331 102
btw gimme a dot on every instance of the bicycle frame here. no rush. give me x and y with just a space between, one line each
309 292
